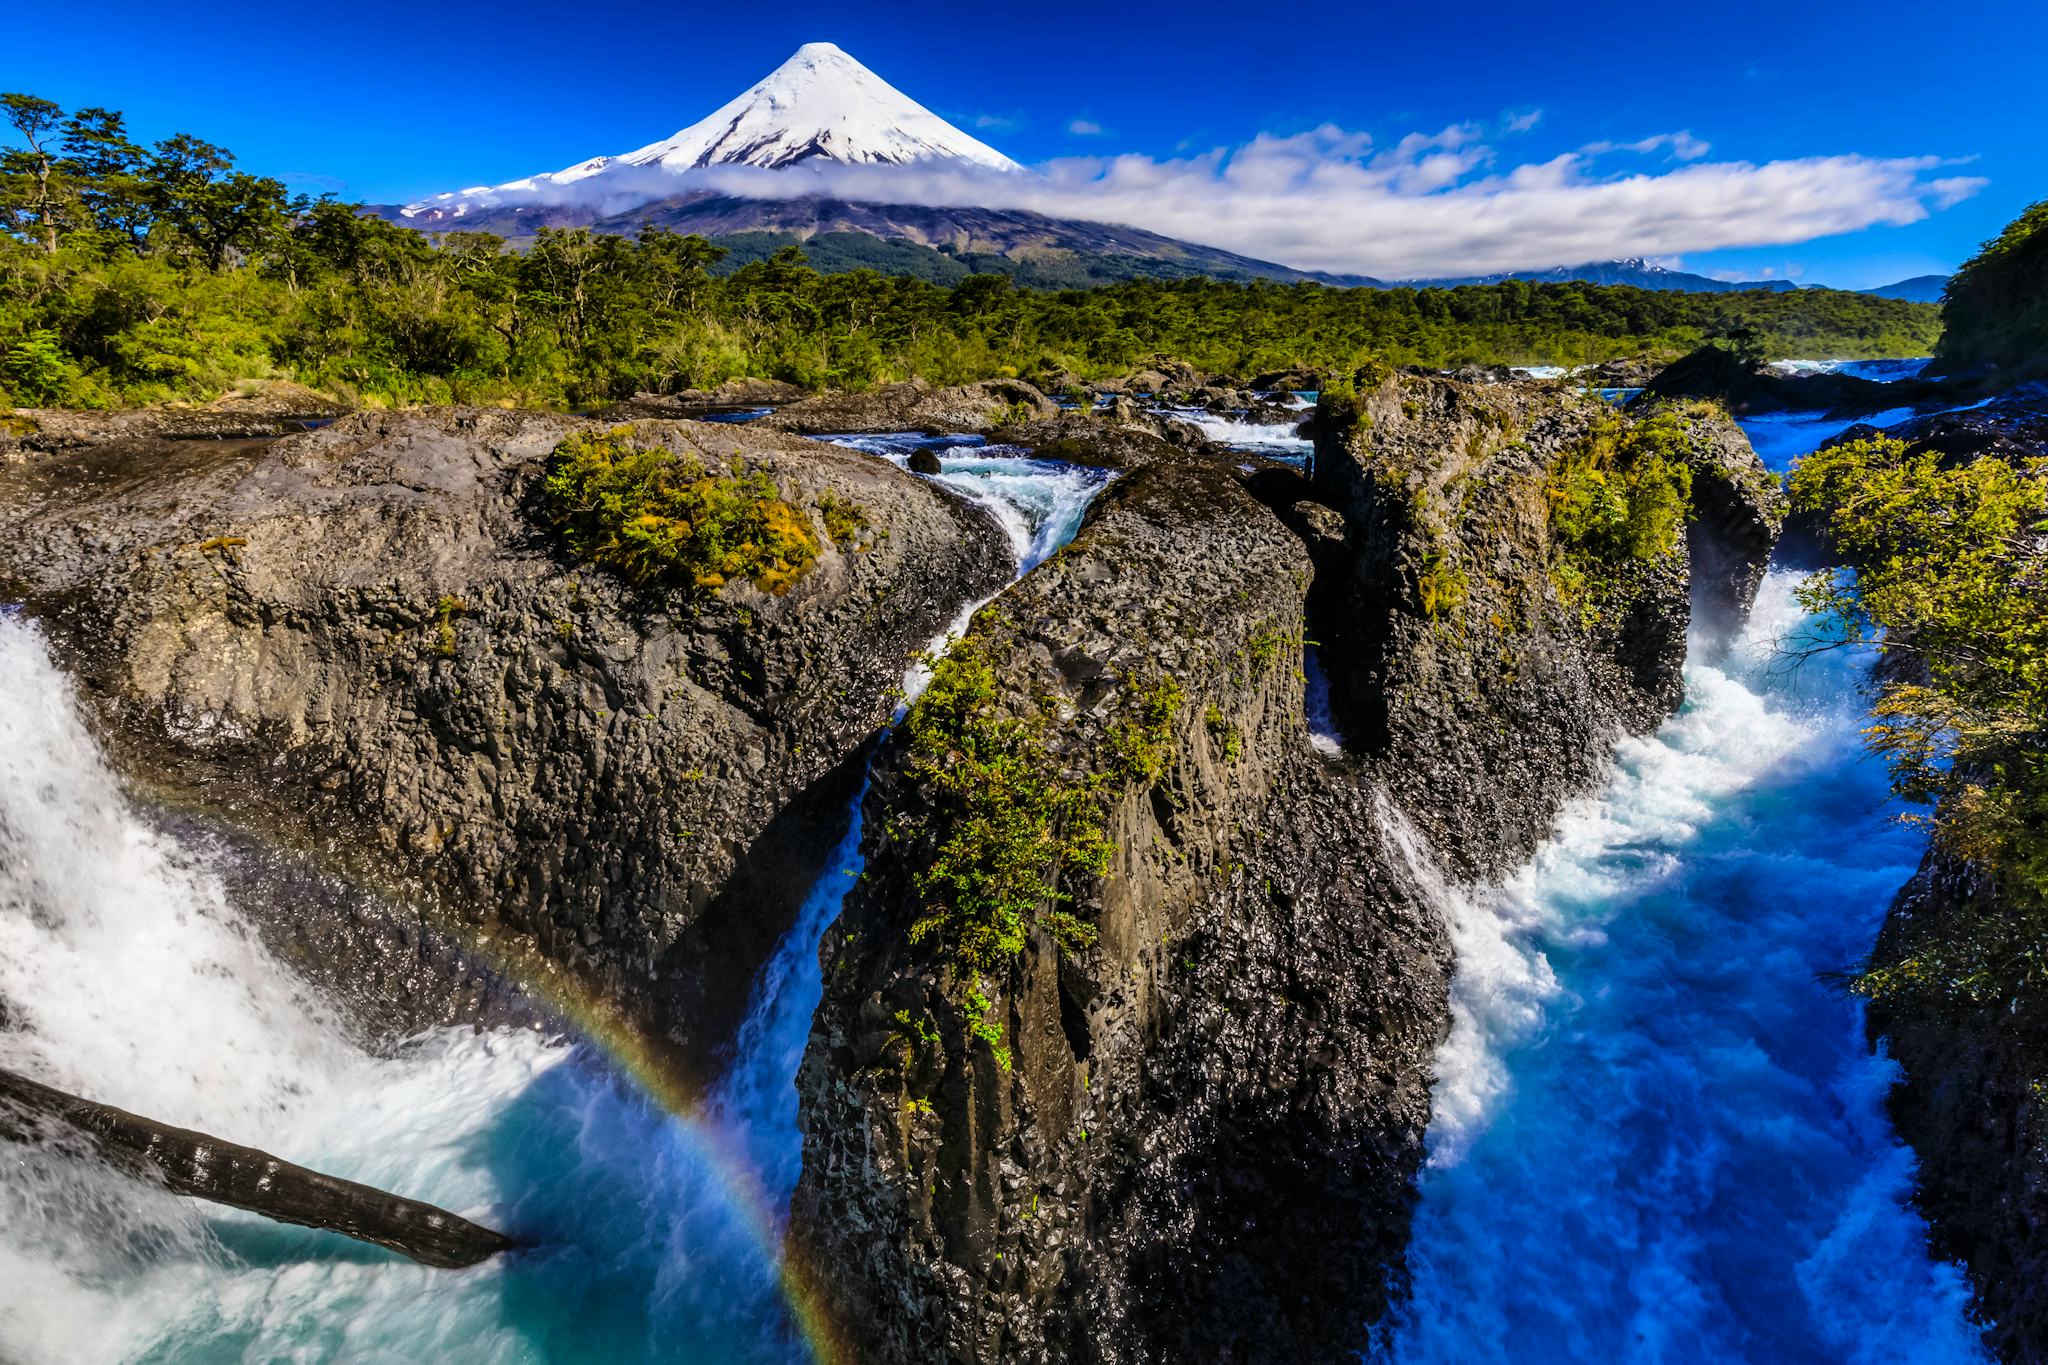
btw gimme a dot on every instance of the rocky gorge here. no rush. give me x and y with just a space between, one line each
1209 1057
1181 1118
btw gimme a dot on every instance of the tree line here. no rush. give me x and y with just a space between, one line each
133 274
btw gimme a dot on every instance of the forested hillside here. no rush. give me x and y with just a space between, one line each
1996 307
133 274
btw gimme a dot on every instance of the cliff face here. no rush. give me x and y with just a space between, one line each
1242 1056
366 636
1195 1137
1478 652
1972 1102
1973 1109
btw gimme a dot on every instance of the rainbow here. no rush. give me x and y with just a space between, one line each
658 1076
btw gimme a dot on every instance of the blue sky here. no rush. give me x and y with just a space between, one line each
387 102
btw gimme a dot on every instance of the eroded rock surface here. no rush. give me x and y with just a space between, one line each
916 406
1971 1107
1484 665
1231 1081
1204 1141
368 636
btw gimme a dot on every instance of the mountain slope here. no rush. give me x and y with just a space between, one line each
1632 271
820 104
1919 289
1013 234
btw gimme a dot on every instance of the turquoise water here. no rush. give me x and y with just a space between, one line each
1659 1133
135 980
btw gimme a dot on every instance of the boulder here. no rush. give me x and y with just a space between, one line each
915 406
756 393
369 640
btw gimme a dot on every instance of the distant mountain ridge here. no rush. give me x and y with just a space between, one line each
1918 289
1633 270
822 105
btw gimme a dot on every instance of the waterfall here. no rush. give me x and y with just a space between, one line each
128 974
1039 504
1274 440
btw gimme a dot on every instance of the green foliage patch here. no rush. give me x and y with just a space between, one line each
1951 570
1015 826
1624 492
1995 309
844 518
657 518
1142 741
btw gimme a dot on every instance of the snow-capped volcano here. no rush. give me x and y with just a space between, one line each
820 104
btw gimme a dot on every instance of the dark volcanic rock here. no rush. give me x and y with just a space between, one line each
1206 1144
1229 1084
916 406
752 392
1717 373
1286 381
1483 374
1632 373
273 407
366 636
1455 661
2013 427
1971 1106
1079 438
45 429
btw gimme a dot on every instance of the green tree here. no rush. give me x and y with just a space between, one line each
1951 571
31 170
106 169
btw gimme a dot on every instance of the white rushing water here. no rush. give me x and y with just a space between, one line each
1274 440
131 977
1881 371
1659 1132
1322 723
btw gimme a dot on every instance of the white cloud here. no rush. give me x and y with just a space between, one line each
1684 146
1085 127
1431 204
1955 189
986 122
1790 271
1520 121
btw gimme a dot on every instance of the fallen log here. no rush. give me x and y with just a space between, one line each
206 1167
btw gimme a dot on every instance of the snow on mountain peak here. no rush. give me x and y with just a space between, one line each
821 104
